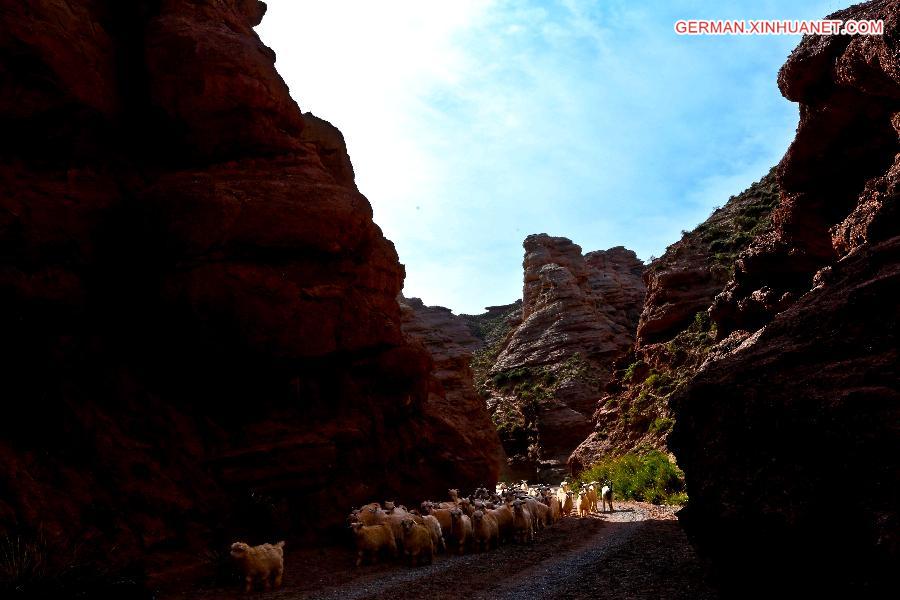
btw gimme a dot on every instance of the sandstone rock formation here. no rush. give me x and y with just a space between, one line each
674 335
455 406
201 333
578 314
788 435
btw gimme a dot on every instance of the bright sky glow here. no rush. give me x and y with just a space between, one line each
474 123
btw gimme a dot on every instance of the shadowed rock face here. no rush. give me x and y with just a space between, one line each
578 314
788 435
454 403
674 335
202 339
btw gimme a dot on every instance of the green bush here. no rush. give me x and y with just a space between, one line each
647 477
662 425
632 368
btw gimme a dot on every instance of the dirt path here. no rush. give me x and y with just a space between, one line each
639 551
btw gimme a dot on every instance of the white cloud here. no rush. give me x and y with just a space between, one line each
476 122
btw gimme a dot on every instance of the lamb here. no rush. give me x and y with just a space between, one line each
485 531
606 497
460 530
522 522
259 564
373 540
418 544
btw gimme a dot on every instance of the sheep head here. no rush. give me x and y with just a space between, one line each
239 550
407 525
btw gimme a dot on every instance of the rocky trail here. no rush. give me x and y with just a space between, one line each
639 551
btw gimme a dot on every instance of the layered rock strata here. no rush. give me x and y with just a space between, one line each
202 339
579 312
799 403
675 334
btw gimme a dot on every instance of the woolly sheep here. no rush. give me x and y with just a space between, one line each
260 564
606 497
485 531
583 503
503 514
373 540
417 542
460 530
522 522
568 504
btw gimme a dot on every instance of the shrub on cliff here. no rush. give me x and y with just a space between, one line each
648 477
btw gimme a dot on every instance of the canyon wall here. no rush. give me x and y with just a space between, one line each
789 433
674 334
202 339
578 313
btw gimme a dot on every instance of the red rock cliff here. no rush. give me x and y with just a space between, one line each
788 435
202 338
674 335
578 314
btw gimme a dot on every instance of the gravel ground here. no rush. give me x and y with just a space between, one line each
639 551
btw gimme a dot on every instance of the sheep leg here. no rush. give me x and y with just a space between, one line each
248 584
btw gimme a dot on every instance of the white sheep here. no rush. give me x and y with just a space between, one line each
606 495
568 503
259 564
592 496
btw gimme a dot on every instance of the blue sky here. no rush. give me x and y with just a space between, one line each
474 123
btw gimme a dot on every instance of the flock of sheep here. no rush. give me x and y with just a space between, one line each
460 524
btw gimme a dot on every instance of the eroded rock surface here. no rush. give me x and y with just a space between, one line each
800 402
579 313
201 334
674 335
